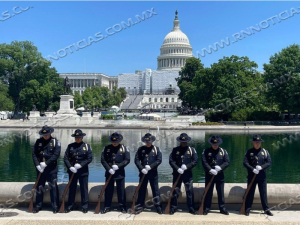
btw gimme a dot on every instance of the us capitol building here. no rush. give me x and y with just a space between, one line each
150 88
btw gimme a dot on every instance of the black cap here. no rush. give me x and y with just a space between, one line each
78 133
215 140
257 138
148 138
183 138
46 130
115 138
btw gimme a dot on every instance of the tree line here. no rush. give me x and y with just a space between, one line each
27 79
233 89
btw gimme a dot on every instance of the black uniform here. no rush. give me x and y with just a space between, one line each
188 156
80 153
210 159
253 158
47 151
148 156
119 156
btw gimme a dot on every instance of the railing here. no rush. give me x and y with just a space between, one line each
252 123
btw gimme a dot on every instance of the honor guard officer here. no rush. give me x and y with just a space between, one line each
45 154
147 159
114 158
182 159
257 160
77 158
214 161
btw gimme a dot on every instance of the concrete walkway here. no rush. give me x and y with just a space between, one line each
20 216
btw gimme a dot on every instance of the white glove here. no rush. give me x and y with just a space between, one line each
258 168
181 171
183 167
255 171
214 172
73 169
77 166
147 167
115 167
111 171
39 168
218 168
144 171
43 165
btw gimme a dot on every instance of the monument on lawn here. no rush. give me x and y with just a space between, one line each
66 101
34 113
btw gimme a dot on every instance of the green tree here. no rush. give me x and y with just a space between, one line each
6 104
88 99
122 92
224 85
20 62
78 102
106 97
185 81
283 70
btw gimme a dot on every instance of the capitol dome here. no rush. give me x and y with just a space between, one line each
175 50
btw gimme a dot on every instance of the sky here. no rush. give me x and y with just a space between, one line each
52 26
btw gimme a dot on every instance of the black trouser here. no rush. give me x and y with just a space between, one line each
262 187
52 183
83 182
109 191
143 189
188 184
220 192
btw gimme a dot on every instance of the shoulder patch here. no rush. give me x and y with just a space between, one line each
58 143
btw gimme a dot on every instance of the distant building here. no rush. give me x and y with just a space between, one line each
175 50
79 81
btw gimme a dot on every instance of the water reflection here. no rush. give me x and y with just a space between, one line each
16 161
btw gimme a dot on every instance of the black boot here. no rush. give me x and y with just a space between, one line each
69 209
159 210
224 211
192 211
268 212
36 210
172 211
84 210
247 212
123 210
55 210
205 212
105 210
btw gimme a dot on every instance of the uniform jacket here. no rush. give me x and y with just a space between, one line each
148 156
255 157
78 153
119 156
187 156
46 151
212 158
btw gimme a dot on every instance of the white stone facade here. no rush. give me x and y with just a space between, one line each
160 102
131 82
175 50
79 81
